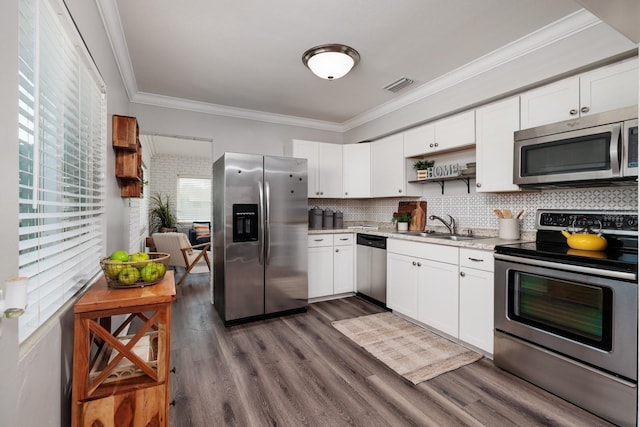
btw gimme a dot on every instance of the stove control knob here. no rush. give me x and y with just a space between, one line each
632 222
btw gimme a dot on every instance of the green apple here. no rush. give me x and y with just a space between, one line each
119 255
149 272
161 269
129 275
137 257
113 268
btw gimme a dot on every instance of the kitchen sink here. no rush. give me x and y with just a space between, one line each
443 236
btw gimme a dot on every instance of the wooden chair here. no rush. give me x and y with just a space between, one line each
183 254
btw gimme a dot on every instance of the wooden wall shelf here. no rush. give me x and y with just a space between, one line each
441 181
126 144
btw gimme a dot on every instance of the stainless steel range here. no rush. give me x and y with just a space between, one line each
566 319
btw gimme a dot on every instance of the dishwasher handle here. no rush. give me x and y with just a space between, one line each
378 242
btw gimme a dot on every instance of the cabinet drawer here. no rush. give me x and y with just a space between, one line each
317 240
342 239
473 258
440 253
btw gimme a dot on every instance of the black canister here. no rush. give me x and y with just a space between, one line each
337 220
315 218
327 218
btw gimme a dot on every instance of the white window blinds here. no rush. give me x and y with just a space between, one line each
62 155
194 199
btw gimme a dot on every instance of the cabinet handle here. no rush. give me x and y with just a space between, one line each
462 274
430 145
346 194
414 263
584 109
475 259
478 184
317 193
419 265
573 111
344 238
172 403
436 144
400 190
322 193
318 240
173 370
337 250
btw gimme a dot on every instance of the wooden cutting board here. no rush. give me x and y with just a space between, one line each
418 211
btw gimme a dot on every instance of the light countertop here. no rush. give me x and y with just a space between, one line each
484 243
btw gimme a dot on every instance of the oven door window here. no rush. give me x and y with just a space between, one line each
577 311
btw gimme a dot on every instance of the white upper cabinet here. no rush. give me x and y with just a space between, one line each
607 88
419 140
456 131
356 160
324 163
388 169
495 125
450 133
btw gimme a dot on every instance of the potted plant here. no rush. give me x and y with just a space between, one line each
421 167
161 218
402 220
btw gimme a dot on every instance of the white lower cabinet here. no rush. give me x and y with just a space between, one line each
438 296
402 284
422 283
476 298
330 264
343 264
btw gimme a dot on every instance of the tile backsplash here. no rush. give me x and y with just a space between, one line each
475 210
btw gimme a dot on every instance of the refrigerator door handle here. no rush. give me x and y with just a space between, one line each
267 217
260 226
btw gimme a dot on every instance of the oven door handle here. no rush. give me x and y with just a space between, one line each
568 267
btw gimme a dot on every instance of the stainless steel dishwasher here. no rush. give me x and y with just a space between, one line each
371 258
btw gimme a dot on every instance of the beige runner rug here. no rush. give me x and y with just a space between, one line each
413 352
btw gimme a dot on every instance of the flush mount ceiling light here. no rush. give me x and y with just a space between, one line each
331 61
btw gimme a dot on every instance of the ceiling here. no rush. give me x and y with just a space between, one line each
243 58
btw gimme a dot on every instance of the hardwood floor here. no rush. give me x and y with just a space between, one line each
299 371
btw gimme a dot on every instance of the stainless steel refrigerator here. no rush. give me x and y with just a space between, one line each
260 225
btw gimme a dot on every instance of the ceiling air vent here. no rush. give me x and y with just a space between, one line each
398 85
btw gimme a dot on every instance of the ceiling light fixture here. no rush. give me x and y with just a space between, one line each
331 61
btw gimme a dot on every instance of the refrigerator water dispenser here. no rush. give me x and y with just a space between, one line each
245 222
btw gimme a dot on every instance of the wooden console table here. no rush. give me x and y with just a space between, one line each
122 380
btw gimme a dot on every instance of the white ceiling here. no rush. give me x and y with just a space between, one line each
244 57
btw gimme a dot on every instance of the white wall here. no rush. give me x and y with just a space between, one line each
227 133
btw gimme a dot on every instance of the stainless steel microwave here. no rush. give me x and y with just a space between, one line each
589 151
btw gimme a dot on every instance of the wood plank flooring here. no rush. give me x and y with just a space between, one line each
299 371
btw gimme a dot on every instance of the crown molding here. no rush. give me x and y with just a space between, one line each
110 16
574 23
238 113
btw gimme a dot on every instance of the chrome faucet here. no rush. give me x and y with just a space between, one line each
451 225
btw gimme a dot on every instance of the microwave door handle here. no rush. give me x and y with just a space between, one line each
615 150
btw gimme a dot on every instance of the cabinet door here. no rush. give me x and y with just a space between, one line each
476 308
495 125
402 284
320 271
455 131
420 140
308 150
551 103
387 167
438 296
356 161
609 88
343 277
330 170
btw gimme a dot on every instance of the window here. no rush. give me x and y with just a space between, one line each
194 199
62 155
